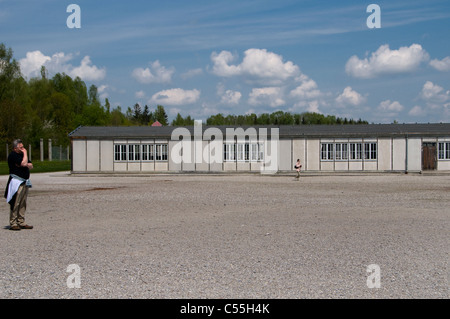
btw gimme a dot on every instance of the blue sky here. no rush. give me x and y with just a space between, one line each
201 58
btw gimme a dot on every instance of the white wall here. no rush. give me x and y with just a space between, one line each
398 154
93 156
312 155
106 156
414 154
384 154
285 155
79 155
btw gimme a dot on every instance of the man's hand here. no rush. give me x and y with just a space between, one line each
25 155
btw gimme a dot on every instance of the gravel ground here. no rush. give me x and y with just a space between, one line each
229 236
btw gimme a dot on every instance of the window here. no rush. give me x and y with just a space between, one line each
140 152
240 152
243 152
348 151
257 152
355 151
370 151
161 152
134 152
120 152
444 151
341 151
327 153
147 152
229 152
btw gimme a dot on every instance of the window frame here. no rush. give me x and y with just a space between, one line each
443 151
135 152
243 152
348 151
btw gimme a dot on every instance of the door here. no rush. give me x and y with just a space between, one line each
429 156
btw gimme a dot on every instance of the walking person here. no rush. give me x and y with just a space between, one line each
16 192
297 167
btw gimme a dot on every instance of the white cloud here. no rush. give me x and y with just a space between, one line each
228 96
387 111
32 63
441 65
156 73
176 97
313 106
350 97
417 111
58 63
257 64
387 61
88 72
272 96
390 107
437 103
307 95
434 93
307 90
231 97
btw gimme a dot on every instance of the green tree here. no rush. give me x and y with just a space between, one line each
9 71
147 116
117 118
188 121
62 117
217 119
137 114
263 119
93 95
12 120
160 115
178 120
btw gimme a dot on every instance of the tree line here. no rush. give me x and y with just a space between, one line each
280 118
50 108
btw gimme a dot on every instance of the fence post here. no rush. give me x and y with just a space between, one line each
29 152
41 149
50 149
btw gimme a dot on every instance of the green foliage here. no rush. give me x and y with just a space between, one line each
279 118
180 121
161 116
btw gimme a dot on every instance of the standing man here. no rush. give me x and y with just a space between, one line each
17 188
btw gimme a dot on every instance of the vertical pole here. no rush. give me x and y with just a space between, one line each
50 149
41 149
29 152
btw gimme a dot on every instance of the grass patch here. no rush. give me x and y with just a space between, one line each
40 167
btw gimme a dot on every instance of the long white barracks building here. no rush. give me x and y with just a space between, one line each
270 149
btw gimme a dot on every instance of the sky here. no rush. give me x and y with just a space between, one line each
201 58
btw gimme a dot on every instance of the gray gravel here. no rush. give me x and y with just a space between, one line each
229 236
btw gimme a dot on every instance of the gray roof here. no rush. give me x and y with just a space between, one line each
285 131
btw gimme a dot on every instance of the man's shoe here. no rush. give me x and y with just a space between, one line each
26 227
14 228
